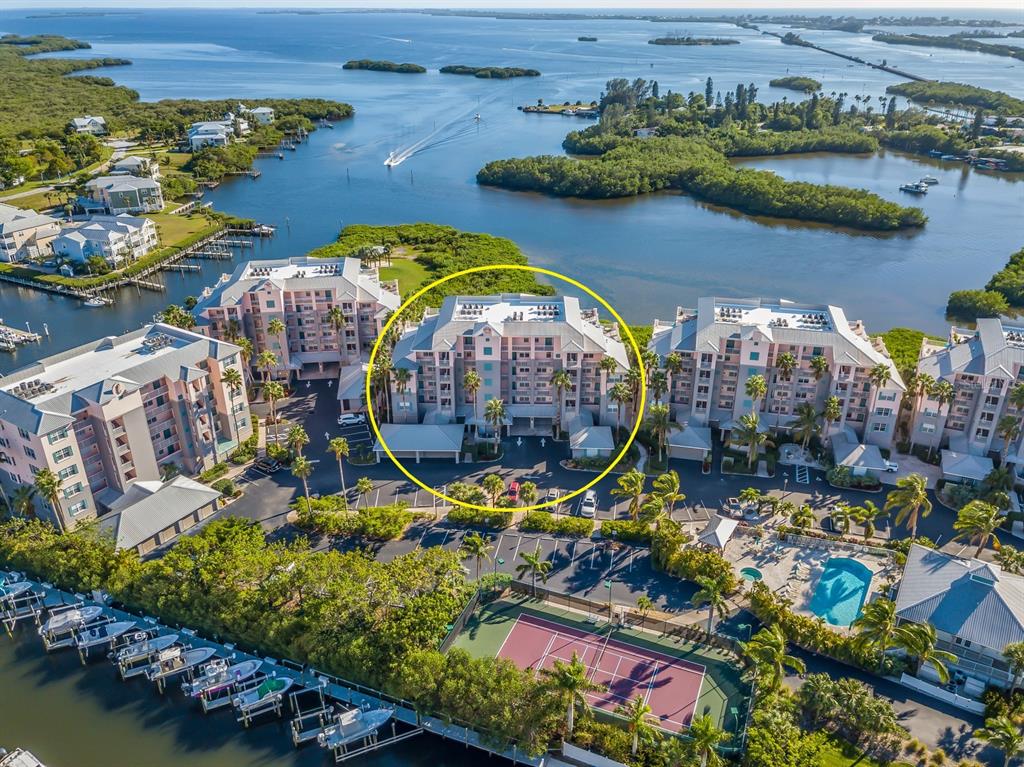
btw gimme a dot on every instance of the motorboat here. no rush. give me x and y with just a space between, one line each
218 675
930 180
94 302
353 725
60 622
392 160
10 591
102 634
916 187
142 646
270 690
177 660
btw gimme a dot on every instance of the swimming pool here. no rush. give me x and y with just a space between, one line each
750 574
841 590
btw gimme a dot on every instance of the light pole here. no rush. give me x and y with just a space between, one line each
608 585
497 561
785 483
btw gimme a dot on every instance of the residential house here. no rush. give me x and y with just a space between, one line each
142 167
25 233
301 292
262 115
982 366
210 133
515 343
727 341
116 411
97 126
114 238
123 194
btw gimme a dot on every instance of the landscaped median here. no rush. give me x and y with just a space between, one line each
330 515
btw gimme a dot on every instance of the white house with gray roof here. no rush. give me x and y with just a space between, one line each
115 411
976 608
124 194
983 366
25 233
302 292
515 343
726 341
92 124
115 239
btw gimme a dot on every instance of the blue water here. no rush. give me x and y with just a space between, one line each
841 590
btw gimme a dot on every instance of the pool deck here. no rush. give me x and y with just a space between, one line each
793 570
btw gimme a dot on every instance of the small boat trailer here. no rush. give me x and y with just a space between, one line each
175 661
58 631
99 635
139 652
218 681
261 695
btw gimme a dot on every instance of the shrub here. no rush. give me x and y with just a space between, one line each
546 522
247 450
626 530
493 519
215 472
970 305
329 515
226 488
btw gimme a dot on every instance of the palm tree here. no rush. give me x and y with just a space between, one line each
233 380
528 493
673 363
820 366
562 382
631 486
659 421
401 378
910 499
667 488
475 546
750 434
1016 398
620 395
919 640
297 439
1013 653
272 392
336 318
751 496
570 682
23 501
494 486
364 486
494 414
276 328
943 393
766 651
841 515
1004 734
831 414
802 517
786 363
303 469
712 594
704 737
245 354
608 365
1009 429
48 485
866 515
636 713
876 627
756 388
978 521
880 375
535 566
268 361
657 384
805 425
339 446
633 377
644 604
471 383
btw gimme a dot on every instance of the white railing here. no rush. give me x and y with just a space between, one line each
968 704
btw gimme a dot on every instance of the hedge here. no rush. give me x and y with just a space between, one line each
627 530
329 515
546 522
494 519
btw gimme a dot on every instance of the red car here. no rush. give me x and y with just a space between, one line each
513 491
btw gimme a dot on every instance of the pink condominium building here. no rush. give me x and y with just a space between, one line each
116 411
301 293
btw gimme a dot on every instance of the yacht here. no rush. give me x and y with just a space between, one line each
929 180
916 187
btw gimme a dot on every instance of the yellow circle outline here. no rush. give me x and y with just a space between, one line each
490 268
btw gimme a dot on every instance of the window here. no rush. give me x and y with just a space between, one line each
57 436
63 454
880 427
927 428
884 412
72 490
271 304
67 471
24 434
752 371
755 356
29 452
77 508
488 382
488 366
488 351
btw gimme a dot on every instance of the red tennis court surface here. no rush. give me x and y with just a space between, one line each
669 685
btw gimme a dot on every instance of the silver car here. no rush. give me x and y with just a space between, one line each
588 506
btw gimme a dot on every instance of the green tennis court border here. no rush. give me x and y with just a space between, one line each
724 694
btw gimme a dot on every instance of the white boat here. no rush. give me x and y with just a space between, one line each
13 590
392 161
60 622
19 757
177 660
94 302
916 187
353 725
270 690
102 634
929 180
218 675
143 647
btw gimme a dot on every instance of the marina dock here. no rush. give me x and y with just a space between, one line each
11 338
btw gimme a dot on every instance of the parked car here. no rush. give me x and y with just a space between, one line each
553 495
269 465
588 506
513 492
892 467
351 419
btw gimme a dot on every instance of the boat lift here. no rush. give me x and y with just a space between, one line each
312 713
175 661
261 695
139 652
18 601
355 732
99 635
219 681
58 631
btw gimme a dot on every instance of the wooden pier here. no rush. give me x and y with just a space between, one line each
148 284
252 173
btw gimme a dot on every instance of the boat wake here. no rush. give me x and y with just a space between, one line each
460 127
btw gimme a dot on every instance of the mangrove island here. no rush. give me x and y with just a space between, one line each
795 83
495 73
384 66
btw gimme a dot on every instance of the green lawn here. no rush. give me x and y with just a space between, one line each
839 753
410 274
173 229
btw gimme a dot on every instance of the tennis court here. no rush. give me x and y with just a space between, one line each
670 686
